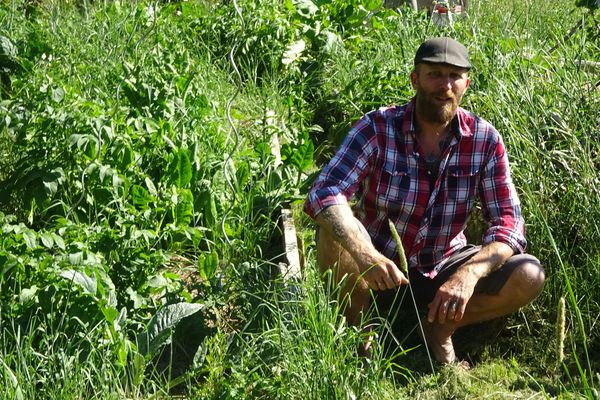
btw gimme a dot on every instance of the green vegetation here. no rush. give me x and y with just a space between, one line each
139 195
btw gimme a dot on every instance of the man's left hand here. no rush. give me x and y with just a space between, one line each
451 299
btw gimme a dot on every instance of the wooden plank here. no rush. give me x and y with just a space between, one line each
291 269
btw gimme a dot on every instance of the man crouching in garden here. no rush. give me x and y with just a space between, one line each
422 166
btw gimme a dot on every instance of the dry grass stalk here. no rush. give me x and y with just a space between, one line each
560 326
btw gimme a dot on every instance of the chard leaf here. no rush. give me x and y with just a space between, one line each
151 188
293 52
180 169
183 210
161 325
141 197
207 265
28 294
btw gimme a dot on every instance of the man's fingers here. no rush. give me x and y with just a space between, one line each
452 310
385 283
373 285
443 311
388 277
460 310
397 277
433 309
384 275
376 281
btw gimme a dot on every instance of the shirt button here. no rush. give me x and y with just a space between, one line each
413 259
425 219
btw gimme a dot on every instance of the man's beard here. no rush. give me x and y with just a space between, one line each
432 112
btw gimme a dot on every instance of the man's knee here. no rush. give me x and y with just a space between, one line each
529 277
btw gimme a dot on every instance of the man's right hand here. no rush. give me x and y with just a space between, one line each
380 272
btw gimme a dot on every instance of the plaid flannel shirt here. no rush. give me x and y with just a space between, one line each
380 164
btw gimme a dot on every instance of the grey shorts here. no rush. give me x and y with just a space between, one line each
425 288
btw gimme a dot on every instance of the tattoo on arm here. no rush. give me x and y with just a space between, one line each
335 217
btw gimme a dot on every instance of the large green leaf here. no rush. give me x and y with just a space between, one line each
207 205
180 169
46 239
299 154
58 240
30 238
183 207
141 197
87 283
293 52
161 325
306 8
207 265
303 157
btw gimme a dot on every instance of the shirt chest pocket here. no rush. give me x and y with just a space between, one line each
461 183
393 186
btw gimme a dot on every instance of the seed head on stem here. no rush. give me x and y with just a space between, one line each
401 255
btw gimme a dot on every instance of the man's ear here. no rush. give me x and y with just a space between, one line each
413 78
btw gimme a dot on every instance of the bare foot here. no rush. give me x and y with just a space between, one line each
364 348
439 342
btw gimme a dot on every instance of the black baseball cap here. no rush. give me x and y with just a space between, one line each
443 50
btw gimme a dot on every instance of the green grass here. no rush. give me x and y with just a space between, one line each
136 159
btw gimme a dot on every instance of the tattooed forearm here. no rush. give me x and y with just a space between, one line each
336 218
339 221
340 224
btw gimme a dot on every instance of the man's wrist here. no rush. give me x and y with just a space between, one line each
476 270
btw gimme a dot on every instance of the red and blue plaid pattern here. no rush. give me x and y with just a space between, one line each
380 164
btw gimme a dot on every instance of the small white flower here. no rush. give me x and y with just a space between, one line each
151 11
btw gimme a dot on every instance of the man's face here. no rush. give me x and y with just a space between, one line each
440 88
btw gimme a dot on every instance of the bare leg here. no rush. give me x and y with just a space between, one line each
355 293
522 287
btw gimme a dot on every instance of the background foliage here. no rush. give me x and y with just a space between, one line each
139 193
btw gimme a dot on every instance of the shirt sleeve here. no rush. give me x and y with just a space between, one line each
342 176
500 203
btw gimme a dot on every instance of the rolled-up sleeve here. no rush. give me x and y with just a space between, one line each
500 203
342 176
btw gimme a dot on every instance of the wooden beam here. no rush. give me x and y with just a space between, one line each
291 268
